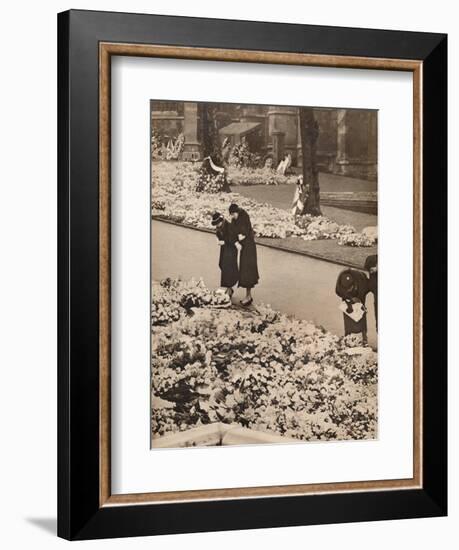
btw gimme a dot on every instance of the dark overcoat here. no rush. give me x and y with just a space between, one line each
248 265
228 255
372 261
358 292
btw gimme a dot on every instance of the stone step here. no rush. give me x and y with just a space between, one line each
218 433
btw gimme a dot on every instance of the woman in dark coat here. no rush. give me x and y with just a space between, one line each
371 265
352 288
228 252
248 266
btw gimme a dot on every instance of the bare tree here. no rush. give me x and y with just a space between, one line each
309 132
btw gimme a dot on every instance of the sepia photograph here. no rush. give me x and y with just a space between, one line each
264 274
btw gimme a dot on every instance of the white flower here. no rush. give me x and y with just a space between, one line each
175 185
259 369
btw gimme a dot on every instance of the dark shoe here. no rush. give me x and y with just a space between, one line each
247 303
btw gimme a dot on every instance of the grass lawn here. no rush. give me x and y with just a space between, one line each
324 249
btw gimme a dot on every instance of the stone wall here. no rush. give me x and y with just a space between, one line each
167 123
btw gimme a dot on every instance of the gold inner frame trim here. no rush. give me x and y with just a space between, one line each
106 51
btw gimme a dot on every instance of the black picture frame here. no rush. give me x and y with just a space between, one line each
79 513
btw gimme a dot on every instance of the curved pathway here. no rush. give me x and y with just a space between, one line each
295 284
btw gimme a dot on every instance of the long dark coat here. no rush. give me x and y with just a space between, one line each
372 261
228 255
358 293
248 265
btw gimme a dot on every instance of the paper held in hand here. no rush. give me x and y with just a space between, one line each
358 309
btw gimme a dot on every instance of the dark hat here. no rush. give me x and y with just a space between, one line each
233 208
371 261
217 218
346 280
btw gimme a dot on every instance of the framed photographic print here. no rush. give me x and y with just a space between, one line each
252 274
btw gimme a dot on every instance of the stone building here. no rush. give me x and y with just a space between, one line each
347 142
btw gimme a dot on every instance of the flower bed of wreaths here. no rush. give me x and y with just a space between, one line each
179 195
258 176
257 368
